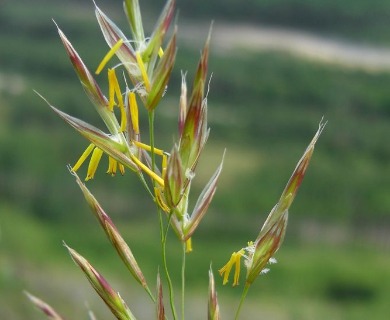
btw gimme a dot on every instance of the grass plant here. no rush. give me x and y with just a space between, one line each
141 78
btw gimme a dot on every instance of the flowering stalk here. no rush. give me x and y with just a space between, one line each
260 252
148 63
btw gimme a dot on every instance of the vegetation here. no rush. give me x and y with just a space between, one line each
357 20
346 187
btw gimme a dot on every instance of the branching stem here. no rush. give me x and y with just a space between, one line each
163 233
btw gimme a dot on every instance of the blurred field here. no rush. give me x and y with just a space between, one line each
264 107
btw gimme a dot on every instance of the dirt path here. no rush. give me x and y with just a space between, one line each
227 38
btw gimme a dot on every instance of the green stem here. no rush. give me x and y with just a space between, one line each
144 183
183 279
243 295
162 233
164 258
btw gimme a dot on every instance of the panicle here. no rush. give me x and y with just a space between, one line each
180 171
260 252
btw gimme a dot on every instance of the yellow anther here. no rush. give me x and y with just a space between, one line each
189 245
134 112
152 174
143 71
112 166
93 163
160 200
121 168
160 52
148 148
123 114
83 157
159 152
111 89
234 261
237 270
115 90
164 165
109 55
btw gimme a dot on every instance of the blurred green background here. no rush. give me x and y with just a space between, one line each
264 107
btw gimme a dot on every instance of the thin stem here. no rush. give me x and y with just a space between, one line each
183 280
144 183
243 295
163 234
164 258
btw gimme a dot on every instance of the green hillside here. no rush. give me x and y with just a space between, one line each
367 21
